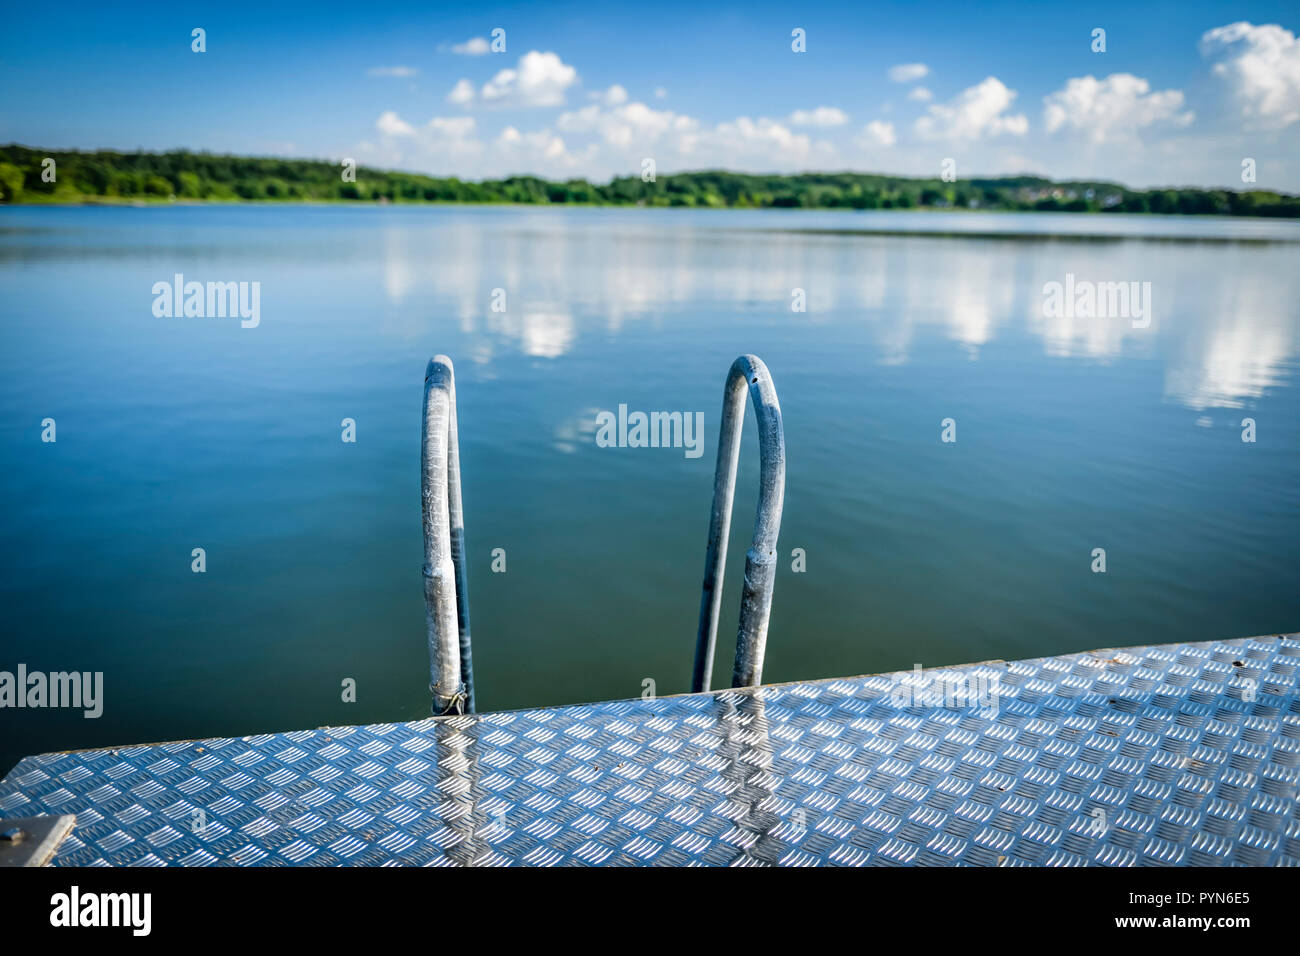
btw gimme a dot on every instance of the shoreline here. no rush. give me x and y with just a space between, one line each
123 202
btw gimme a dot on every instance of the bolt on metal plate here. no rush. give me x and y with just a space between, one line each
33 841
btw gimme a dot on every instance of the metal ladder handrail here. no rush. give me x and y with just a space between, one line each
760 562
446 589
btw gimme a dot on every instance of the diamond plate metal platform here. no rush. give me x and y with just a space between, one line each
1184 754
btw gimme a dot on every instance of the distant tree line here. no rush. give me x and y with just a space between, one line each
182 175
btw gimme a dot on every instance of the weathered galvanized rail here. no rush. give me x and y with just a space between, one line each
1182 754
747 373
446 585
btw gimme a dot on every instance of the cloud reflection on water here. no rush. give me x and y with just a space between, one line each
1223 324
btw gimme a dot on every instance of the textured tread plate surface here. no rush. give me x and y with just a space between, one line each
1183 754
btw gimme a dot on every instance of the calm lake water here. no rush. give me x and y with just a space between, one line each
180 433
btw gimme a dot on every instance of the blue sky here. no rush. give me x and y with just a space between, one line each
1182 94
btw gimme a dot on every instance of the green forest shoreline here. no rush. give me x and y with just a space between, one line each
32 176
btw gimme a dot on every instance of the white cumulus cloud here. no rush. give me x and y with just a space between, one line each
821 116
624 135
540 143
632 124
474 46
743 136
462 94
877 133
1113 108
390 124
920 94
539 79
613 96
1261 66
908 72
456 127
975 113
